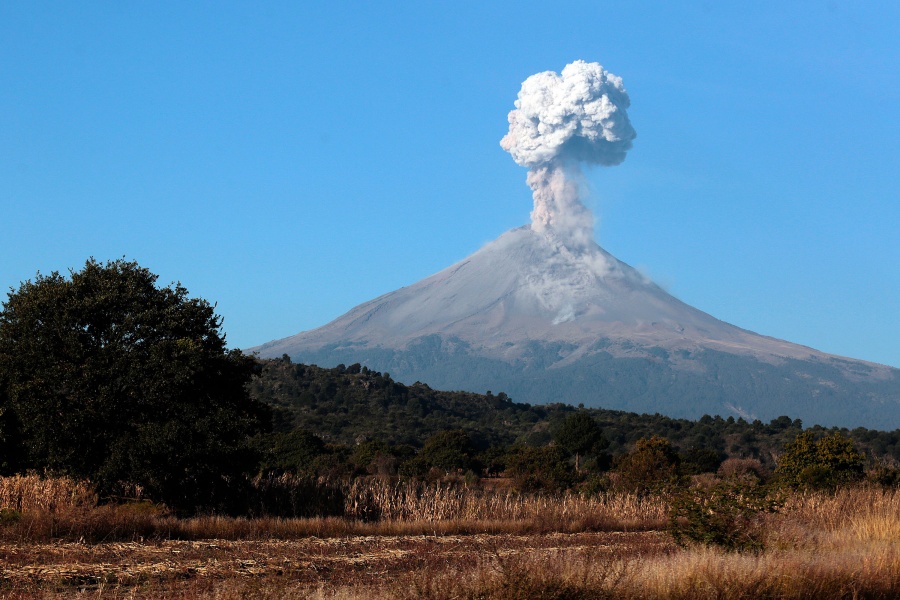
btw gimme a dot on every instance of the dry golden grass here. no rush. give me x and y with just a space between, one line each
845 545
845 507
841 546
442 542
704 573
295 568
30 493
404 502
68 510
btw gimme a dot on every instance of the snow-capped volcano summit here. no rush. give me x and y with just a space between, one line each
548 321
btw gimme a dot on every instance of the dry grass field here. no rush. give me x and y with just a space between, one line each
439 543
298 568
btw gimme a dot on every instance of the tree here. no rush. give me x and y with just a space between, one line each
294 451
11 446
823 464
699 460
545 468
580 435
449 451
728 514
653 466
112 378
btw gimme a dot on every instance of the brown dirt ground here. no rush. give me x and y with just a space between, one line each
136 569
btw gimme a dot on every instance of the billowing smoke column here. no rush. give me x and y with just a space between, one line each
561 121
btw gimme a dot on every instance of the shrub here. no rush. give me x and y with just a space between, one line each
728 515
652 467
699 460
884 474
742 467
9 516
290 495
824 464
546 468
294 451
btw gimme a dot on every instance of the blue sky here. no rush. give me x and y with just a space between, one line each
291 160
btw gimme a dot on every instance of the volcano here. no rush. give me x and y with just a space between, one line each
546 321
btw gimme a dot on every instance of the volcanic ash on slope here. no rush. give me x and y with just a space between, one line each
528 286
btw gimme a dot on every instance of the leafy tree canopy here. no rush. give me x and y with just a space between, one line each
580 434
108 376
342 406
652 466
295 451
544 468
448 450
823 464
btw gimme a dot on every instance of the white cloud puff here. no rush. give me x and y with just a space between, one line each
578 115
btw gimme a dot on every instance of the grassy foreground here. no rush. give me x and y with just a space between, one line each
438 542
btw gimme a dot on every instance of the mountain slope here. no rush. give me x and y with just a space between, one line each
546 322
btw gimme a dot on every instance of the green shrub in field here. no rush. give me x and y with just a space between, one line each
728 515
534 469
652 467
884 474
824 464
9 516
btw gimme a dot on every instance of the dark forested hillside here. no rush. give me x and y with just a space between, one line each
347 404
350 404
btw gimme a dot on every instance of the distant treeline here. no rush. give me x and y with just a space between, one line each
352 407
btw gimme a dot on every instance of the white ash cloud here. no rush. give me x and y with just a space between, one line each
562 120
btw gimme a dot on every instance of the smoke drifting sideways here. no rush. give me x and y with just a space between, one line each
561 121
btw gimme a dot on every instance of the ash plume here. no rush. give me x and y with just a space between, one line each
563 120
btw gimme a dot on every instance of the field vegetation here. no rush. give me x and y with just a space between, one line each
443 541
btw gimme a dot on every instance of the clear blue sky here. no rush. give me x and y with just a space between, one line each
291 160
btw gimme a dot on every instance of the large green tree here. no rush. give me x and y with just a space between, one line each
110 377
824 464
581 435
448 451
